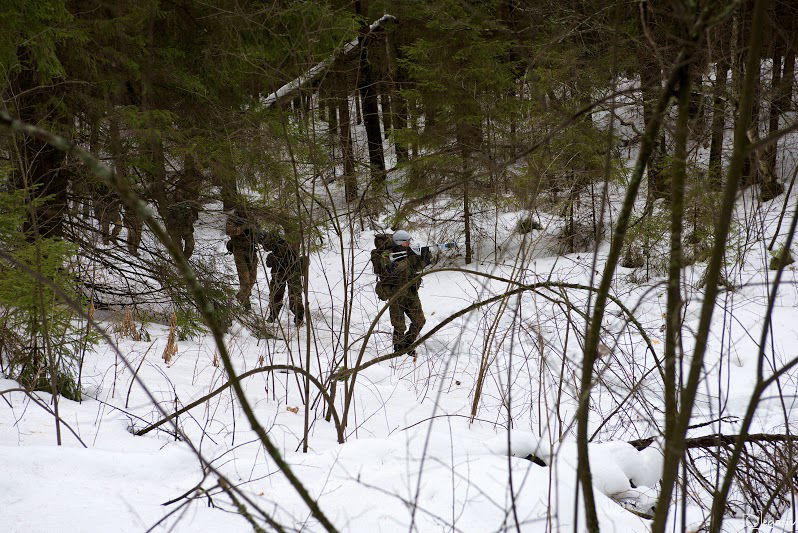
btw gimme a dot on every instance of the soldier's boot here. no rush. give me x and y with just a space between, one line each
402 343
411 353
398 341
117 229
133 240
398 347
274 312
188 244
105 230
243 300
133 250
409 338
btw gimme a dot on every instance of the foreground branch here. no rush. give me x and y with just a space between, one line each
344 373
269 368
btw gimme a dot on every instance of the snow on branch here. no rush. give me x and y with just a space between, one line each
287 91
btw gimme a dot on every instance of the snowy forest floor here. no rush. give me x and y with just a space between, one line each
413 458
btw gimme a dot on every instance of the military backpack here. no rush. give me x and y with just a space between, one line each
381 263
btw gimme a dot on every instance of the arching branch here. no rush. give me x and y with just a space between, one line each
268 368
520 287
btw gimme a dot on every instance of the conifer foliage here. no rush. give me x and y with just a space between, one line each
629 124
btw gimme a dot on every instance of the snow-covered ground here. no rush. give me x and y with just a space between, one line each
413 457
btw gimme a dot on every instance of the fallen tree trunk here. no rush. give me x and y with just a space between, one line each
718 439
707 441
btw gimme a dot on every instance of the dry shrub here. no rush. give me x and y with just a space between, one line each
765 480
171 343
126 327
576 236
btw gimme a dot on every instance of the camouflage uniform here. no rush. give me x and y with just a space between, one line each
107 210
134 225
408 302
287 270
242 245
183 214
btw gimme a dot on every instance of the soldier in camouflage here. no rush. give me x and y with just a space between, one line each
132 221
242 245
287 268
407 303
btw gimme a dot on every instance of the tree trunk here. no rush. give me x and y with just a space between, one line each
40 170
697 107
397 77
371 116
223 176
467 137
467 222
788 78
769 187
751 172
345 138
332 119
673 320
650 87
385 104
186 203
781 88
153 144
400 123
718 125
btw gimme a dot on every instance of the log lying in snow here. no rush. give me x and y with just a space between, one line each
718 439
288 92
642 503
707 441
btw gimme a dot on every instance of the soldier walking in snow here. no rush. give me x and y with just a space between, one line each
242 245
396 263
287 268
132 221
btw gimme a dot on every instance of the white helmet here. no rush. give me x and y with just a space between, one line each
400 236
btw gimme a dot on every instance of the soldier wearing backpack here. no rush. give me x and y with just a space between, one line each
241 244
287 268
395 264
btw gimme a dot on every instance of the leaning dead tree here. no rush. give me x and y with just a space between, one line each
311 77
337 83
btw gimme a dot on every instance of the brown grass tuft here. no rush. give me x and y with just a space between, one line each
126 327
171 343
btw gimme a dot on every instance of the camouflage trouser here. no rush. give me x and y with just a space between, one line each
181 226
281 278
109 214
188 243
407 303
134 225
247 268
184 234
